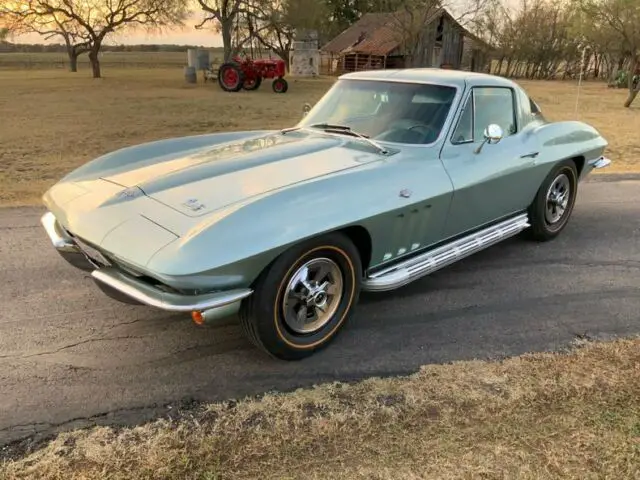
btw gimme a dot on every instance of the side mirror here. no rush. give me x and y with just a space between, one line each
492 134
306 108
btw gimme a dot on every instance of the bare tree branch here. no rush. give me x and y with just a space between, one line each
84 24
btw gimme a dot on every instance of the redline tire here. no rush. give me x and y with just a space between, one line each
266 321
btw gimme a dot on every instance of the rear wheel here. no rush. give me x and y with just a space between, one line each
230 77
304 298
550 211
280 85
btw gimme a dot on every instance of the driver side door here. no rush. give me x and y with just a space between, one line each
494 182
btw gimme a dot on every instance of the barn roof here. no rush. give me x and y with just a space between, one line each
372 34
376 34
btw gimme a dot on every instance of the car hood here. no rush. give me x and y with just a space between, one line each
209 178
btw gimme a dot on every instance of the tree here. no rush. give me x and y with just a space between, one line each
274 23
409 20
225 14
75 43
92 21
622 18
538 40
341 14
4 33
28 18
408 24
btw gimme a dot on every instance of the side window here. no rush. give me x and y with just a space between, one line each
536 113
494 105
464 130
535 109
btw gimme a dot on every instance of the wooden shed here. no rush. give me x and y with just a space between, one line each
389 40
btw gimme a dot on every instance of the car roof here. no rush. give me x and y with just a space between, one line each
442 76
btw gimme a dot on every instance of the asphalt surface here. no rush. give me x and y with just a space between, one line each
71 357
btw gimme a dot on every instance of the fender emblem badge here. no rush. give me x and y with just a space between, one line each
405 193
194 204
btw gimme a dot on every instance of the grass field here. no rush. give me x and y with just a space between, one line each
53 121
537 417
119 60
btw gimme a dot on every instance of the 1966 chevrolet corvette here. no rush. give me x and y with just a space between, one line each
392 175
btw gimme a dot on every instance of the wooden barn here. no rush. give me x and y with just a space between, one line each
382 40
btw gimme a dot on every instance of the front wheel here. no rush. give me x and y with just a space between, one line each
304 298
553 205
280 85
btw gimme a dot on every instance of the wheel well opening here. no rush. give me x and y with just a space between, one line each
579 161
362 240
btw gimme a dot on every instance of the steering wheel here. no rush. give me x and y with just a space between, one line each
427 131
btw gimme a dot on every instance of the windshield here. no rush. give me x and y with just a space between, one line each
386 111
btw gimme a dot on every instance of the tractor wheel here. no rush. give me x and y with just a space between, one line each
280 85
252 83
230 77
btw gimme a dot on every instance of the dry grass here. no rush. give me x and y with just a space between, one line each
53 121
109 60
539 416
599 106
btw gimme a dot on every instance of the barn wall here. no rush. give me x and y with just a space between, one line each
357 62
440 47
396 61
423 54
430 40
451 45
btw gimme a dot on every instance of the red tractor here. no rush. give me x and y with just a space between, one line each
248 74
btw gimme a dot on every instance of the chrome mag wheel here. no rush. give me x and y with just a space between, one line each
304 297
312 296
558 197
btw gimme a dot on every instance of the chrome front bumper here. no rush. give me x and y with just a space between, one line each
64 244
210 306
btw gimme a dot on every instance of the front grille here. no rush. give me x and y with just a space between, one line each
106 259
94 254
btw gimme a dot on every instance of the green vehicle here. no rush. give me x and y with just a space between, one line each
391 176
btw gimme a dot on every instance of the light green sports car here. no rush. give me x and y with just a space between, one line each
392 175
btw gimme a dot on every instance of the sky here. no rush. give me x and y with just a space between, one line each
186 35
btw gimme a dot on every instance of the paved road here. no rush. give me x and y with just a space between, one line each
68 353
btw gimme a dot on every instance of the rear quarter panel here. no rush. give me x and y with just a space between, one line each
569 140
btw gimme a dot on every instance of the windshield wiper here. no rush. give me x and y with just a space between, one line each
340 129
348 130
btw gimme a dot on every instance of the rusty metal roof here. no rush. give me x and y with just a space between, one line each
372 34
377 34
